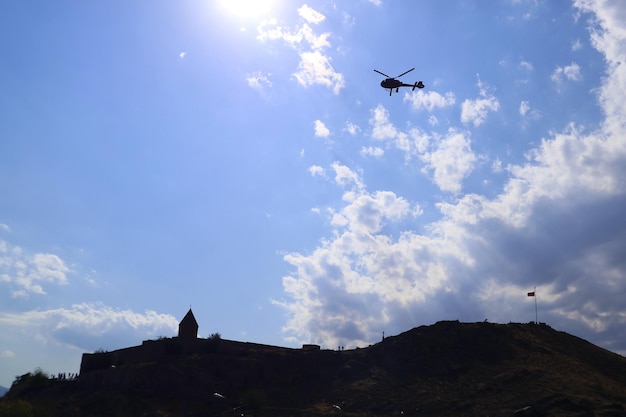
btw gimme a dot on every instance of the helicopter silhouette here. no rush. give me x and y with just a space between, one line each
391 83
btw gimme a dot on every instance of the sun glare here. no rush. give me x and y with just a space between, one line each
248 9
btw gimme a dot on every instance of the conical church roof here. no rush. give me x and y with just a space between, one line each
189 320
188 326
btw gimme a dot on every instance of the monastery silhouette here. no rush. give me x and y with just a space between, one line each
100 367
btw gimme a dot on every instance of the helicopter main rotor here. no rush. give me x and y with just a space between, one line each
398 76
382 73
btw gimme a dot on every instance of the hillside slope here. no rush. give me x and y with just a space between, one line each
447 369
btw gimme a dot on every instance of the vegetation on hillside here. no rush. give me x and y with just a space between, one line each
447 369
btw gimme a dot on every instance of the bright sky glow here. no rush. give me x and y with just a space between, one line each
153 158
248 9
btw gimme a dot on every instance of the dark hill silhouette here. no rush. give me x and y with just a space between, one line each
447 369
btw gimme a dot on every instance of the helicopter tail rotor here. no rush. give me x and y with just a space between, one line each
418 84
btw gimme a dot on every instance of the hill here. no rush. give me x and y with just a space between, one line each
3 390
447 369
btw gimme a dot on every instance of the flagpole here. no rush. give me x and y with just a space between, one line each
535 297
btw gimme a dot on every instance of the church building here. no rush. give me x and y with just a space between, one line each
188 327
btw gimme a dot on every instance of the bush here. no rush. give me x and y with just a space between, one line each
16 408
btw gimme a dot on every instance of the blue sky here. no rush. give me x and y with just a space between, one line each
240 157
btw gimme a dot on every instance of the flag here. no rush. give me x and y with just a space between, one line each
531 294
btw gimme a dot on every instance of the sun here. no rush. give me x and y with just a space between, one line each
248 9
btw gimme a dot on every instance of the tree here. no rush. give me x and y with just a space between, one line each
30 381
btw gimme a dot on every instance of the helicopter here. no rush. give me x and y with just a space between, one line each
391 82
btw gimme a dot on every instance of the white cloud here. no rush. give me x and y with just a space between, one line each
7 354
451 160
315 68
524 107
476 111
270 30
351 128
496 166
569 72
320 129
27 274
608 36
316 170
346 177
303 37
376 2
92 326
258 80
382 128
557 223
344 287
372 151
182 55
364 215
311 15
527 112
430 100
572 72
316 42
24 294
527 66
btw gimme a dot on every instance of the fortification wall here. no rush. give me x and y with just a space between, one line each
202 364
161 350
148 351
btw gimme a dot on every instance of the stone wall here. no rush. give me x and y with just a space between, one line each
163 350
